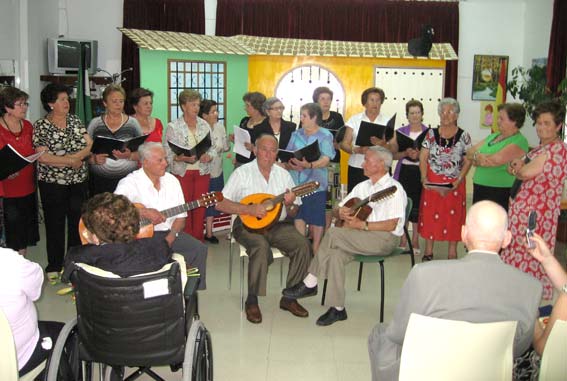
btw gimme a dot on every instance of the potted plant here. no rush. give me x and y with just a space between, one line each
530 86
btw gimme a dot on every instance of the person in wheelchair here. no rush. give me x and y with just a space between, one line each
162 312
20 287
112 223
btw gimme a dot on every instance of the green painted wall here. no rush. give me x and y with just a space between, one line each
153 75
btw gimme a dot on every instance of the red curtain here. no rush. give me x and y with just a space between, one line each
557 55
354 20
166 15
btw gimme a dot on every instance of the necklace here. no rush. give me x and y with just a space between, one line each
122 121
498 139
62 125
15 134
145 123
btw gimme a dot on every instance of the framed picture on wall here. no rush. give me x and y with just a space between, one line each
486 74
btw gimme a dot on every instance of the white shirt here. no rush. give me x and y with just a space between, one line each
389 208
356 159
220 144
20 286
247 179
138 188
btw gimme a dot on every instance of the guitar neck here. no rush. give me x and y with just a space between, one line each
167 213
375 197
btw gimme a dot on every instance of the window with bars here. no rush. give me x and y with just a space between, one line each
206 77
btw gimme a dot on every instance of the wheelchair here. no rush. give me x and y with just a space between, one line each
135 322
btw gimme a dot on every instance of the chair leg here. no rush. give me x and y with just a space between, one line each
359 276
241 283
410 245
230 264
382 290
281 272
324 292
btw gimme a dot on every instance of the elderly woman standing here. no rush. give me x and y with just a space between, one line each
209 112
542 179
274 123
105 173
20 199
372 99
442 162
142 101
62 172
253 102
407 171
312 210
491 156
193 172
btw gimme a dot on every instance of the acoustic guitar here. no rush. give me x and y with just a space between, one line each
361 209
273 206
146 226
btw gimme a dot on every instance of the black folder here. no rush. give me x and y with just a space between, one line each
310 152
405 142
13 162
368 129
198 150
104 144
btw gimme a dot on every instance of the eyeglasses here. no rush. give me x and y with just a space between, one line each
280 108
22 104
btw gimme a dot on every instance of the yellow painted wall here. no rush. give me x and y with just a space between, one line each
356 75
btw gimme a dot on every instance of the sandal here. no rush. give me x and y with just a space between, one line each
427 258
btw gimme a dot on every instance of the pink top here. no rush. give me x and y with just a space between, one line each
19 288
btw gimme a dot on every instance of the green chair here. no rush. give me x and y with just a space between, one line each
380 260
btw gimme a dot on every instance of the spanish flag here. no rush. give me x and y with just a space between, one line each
500 92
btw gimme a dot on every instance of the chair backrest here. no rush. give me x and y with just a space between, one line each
8 357
135 321
409 205
439 349
554 359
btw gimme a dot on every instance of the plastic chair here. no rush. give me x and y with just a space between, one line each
448 350
139 321
8 356
362 259
553 361
243 255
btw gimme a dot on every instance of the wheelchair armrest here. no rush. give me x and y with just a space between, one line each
191 287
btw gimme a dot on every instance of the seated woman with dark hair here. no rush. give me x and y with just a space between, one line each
112 223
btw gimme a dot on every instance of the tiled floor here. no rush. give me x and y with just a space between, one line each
282 347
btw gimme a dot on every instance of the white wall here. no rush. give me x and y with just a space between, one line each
517 28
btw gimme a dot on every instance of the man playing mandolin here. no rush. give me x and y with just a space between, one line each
261 175
376 235
157 190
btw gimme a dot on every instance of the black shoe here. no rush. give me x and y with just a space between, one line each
331 316
299 291
212 239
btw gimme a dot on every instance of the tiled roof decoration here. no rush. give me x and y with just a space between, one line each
251 45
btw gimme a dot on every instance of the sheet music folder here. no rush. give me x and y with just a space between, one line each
380 131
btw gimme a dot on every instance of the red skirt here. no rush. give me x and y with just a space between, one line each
441 217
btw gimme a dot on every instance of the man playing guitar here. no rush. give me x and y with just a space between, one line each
262 175
157 190
379 234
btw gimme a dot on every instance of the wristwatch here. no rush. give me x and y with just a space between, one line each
366 226
564 288
175 233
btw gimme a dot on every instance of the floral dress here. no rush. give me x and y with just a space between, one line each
542 194
441 217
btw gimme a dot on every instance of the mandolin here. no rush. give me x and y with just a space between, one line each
146 226
273 206
361 209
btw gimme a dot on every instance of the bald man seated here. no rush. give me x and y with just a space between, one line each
478 288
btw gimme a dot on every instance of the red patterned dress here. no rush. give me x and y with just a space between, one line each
441 217
542 194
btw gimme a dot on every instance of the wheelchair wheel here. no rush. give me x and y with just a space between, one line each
64 363
198 361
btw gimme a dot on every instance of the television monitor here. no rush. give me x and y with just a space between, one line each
64 54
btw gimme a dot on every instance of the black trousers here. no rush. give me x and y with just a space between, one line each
355 176
47 329
500 196
61 210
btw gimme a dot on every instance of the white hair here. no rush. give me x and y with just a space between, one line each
145 149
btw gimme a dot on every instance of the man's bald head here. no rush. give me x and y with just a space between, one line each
486 227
